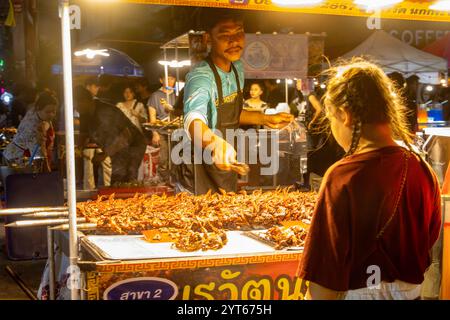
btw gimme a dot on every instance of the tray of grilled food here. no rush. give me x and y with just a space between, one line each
290 235
164 125
192 223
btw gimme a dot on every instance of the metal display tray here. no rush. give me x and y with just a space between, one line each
127 247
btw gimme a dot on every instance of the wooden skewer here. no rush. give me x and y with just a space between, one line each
37 223
20 211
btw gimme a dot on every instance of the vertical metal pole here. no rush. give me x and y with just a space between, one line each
177 92
166 76
51 258
70 143
287 90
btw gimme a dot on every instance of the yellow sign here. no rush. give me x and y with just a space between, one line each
407 10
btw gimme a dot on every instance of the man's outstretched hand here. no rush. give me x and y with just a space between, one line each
278 121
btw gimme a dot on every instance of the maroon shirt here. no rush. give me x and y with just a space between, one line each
357 200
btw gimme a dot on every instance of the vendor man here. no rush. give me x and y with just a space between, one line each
213 99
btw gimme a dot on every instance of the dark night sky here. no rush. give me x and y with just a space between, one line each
116 25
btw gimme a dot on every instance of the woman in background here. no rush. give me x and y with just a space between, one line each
254 103
132 109
35 135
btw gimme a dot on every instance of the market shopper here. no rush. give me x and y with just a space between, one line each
378 212
160 105
117 136
143 93
274 94
255 103
322 149
88 147
132 108
35 135
213 100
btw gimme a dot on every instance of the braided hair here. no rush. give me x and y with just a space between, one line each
370 97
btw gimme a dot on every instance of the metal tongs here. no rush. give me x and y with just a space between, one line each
169 123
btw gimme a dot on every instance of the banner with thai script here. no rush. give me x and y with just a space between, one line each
269 56
265 277
407 10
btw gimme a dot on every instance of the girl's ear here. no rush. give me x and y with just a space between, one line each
346 117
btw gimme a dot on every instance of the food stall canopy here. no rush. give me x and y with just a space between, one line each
406 10
440 48
116 64
180 42
393 55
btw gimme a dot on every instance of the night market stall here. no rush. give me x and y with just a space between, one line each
109 258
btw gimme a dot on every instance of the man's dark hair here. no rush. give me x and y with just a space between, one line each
398 79
412 79
45 98
212 17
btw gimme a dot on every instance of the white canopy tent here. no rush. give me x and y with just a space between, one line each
394 55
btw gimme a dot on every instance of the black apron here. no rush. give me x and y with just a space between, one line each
201 178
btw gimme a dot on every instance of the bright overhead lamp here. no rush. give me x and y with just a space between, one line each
175 63
290 81
441 5
378 4
429 88
90 54
296 3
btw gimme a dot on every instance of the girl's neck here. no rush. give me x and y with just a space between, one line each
375 136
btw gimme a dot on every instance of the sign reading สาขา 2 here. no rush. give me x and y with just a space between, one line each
146 288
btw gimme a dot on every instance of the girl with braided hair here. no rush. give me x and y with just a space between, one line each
378 211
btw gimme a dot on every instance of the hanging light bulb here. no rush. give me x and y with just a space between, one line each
442 5
297 3
90 54
378 4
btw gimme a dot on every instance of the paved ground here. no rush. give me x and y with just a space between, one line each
29 271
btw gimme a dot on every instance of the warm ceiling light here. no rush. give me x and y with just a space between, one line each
371 4
175 63
429 88
90 54
442 5
296 3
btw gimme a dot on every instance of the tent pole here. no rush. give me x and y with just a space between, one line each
166 76
287 90
177 70
70 148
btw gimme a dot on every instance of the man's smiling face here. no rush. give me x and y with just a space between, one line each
227 39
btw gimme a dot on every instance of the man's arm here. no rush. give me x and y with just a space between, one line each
223 154
275 121
152 114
